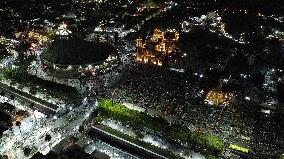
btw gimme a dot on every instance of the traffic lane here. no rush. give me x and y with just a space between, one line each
46 108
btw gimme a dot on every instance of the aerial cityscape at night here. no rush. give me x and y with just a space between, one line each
141 79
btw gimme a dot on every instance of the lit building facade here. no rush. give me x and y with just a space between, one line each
156 48
62 30
217 97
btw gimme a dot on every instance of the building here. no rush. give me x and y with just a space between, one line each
158 48
217 97
62 30
73 57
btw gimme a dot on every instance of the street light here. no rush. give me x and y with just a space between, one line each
247 98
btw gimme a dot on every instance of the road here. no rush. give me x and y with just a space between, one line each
41 105
124 144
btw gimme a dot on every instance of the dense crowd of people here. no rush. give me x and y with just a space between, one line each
179 96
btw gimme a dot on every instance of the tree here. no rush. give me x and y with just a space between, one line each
208 141
151 4
32 105
3 157
22 49
20 87
33 90
81 128
50 55
2 93
18 74
12 97
27 151
73 139
18 123
47 139
8 73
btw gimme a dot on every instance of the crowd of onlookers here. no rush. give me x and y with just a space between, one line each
179 96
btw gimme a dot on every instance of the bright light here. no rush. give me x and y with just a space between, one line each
265 111
238 148
226 80
247 98
55 117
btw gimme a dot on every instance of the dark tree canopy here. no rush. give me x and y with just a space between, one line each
47 137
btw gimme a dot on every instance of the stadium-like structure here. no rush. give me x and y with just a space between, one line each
71 56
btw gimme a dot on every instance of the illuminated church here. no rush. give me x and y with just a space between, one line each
157 48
